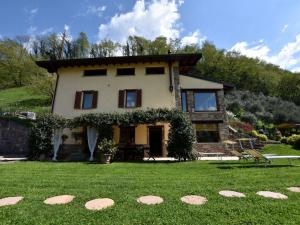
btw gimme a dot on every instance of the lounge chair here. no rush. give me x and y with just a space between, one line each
268 157
240 155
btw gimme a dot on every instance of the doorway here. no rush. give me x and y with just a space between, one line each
155 140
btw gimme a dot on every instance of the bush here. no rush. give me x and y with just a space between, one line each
261 137
107 146
294 139
40 139
284 140
297 142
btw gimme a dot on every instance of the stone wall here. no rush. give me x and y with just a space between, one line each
198 117
13 138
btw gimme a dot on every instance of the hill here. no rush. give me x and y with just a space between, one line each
23 99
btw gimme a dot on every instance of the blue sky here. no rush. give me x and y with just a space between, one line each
267 29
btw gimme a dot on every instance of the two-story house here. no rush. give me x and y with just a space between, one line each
139 82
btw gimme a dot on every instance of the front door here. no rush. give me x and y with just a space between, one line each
155 140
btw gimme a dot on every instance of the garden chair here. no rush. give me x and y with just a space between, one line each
240 155
268 157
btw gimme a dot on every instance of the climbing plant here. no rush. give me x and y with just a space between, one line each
40 139
181 135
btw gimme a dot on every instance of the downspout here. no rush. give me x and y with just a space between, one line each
171 82
54 96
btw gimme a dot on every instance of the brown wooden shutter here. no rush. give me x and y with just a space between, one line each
95 99
77 104
121 98
139 98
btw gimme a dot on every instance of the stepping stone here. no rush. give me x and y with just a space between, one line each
194 199
59 200
227 193
10 200
99 204
150 200
294 189
269 194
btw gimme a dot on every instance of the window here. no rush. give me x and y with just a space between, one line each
86 99
98 72
127 135
126 71
184 101
205 101
207 132
130 98
155 70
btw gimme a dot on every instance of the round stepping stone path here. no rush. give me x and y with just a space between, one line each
294 189
99 204
194 199
150 200
59 200
269 194
10 200
227 193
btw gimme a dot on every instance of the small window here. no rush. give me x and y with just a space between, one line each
127 135
126 71
99 72
184 106
87 102
131 99
205 101
155 70
207 132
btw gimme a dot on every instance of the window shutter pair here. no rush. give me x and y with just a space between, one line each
122 94
78 99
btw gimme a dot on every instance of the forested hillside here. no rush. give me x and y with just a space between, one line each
17 67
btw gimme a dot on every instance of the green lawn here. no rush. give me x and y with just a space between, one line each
124 182
23 99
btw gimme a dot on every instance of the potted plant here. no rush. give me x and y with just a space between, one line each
107 149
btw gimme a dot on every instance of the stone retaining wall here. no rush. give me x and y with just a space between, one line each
13 138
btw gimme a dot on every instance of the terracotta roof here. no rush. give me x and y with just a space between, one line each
183 59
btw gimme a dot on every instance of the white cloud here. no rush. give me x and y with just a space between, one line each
31 30
193 38
95 10
33 11
287 58
68 34
46 31
156 18
284 28
1 37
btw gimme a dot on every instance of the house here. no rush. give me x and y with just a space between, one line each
128 83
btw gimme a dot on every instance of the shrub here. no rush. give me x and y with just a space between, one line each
261 137
40 139
107 146
297 142
241 126
284 140
292 140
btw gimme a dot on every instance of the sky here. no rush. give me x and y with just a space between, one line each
264 29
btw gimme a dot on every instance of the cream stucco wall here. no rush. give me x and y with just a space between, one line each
196 83
155 88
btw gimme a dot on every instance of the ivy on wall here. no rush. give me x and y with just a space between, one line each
181 135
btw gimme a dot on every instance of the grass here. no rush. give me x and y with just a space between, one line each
124 182
281 150
23 99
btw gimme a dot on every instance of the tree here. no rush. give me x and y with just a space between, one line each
82 46
105 48
16 65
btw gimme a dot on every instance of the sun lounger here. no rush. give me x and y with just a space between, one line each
267 157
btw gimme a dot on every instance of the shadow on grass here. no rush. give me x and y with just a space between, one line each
253 166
